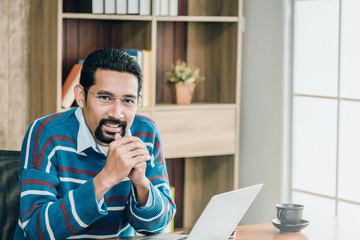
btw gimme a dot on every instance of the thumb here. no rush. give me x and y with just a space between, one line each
117 136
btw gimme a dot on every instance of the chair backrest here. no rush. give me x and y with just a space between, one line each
9 192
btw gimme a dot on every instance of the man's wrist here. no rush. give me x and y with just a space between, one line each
142 190
144 184
101 184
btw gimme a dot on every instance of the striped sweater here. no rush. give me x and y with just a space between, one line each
57 192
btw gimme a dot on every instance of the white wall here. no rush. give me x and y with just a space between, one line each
261 106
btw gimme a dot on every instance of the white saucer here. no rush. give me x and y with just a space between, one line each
289 228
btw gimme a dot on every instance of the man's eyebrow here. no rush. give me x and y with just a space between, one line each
130 96
104 92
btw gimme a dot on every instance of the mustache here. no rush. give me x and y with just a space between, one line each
102 137
113 121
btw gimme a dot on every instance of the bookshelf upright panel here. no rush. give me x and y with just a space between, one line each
45 90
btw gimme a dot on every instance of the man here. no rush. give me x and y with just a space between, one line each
96 171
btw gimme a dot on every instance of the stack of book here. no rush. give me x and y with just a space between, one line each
166 7
143 58
133 7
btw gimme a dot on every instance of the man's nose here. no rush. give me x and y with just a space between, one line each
117 109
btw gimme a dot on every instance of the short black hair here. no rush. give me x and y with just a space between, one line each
109 59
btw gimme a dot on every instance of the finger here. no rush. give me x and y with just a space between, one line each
117 136
139 159
139 165
129 144
144 154
119 141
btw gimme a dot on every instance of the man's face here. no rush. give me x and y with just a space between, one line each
104 117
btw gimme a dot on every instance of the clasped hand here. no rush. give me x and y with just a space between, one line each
127 158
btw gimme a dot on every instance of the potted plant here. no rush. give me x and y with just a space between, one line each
182 79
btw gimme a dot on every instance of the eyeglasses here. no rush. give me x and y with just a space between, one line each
107 98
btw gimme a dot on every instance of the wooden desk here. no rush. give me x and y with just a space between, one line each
328 229
265 232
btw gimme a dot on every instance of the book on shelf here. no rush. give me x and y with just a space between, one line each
147 74
144 59
67 95
157 7
173 7
133 7
109 6
145 7
91 6
121 6
137 55
164 7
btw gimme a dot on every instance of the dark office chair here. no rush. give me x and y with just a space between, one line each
9 192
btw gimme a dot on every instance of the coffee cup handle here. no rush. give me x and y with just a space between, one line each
279 215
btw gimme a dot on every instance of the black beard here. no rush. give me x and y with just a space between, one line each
102 135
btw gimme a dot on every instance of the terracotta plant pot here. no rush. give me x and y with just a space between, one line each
181 93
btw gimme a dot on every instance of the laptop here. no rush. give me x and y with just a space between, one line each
220 217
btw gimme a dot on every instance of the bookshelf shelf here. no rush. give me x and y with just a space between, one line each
197 19
90 16
174 107
203 136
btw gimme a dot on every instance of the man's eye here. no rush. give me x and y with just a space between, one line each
104 98
128 101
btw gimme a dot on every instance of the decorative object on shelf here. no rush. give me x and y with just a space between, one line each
182 79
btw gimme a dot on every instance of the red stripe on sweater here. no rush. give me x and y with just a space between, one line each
114 199
38 135
67 218
38 227
31 209
169 218
38 164
157 145
158 176
32 181
159 152
145 134
148 225
66 169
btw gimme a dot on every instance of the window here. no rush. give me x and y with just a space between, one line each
326 107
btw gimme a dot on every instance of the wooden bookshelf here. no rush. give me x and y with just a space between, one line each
206 34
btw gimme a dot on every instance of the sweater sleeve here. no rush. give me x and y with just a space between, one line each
155 218
44 214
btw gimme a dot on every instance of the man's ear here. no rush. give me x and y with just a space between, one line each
79 95
139 100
